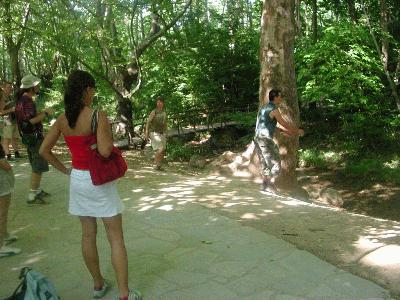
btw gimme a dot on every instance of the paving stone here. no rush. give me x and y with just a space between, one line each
288 297
258 280
355 287
310 267
195 261
265 295
149 264
151 246
232 269
164 235
154 287
183 278
209 291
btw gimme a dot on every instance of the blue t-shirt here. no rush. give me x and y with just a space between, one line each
265 125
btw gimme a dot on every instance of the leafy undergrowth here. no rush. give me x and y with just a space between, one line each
368 180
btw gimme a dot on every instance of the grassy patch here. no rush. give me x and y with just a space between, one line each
374 169
319 158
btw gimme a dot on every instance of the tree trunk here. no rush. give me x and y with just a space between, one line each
352 10
250 13
13 52
314 25
392 84
384 27
297 14
278 71
125 115
3 58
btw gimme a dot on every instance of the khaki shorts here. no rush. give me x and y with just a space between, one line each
10 132
38 163
158 141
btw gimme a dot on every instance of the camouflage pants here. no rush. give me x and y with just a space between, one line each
268 154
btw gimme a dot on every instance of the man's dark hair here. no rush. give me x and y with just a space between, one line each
273 94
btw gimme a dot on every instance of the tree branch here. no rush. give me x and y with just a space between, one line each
62 49
24 24
152 38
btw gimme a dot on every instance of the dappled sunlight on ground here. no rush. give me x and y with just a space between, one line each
363 245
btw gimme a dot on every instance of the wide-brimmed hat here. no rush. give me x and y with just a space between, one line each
29 81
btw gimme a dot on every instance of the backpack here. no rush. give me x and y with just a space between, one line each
33 286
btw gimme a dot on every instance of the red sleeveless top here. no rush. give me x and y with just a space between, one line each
79 146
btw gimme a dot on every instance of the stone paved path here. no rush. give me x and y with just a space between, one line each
177 248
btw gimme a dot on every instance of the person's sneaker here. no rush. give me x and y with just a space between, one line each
10 239
268 187
36 200
270 190
43 194
8 251
133 295
101 292
9 158
158 168
264 185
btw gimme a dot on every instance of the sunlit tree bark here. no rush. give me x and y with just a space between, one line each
278 71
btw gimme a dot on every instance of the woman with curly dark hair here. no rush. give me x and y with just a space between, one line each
88 201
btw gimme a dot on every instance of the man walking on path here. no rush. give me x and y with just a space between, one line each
31 129
267 150
156 128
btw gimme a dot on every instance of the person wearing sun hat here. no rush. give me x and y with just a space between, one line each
30 126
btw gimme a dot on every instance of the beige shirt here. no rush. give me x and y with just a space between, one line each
159 121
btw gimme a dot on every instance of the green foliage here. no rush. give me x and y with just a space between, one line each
374 169
179 151
341 86
341 72
244 120
319 158
206 67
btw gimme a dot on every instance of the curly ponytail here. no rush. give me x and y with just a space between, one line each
77 82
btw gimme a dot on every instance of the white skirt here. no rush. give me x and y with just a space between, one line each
86 199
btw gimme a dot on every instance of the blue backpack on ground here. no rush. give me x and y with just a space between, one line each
33 286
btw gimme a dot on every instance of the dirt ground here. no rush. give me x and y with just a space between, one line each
375 199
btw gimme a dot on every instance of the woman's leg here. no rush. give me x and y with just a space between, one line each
115 235
14 143
89 249
4 205
5 142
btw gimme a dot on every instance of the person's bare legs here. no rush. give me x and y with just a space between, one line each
5 143
35 180
119 258
14 143
4 205
159 156
89 249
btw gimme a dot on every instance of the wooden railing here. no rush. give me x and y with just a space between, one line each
195 116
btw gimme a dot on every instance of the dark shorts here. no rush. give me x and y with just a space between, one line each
38 163
268 153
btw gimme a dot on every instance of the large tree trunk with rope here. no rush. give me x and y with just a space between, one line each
278 71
